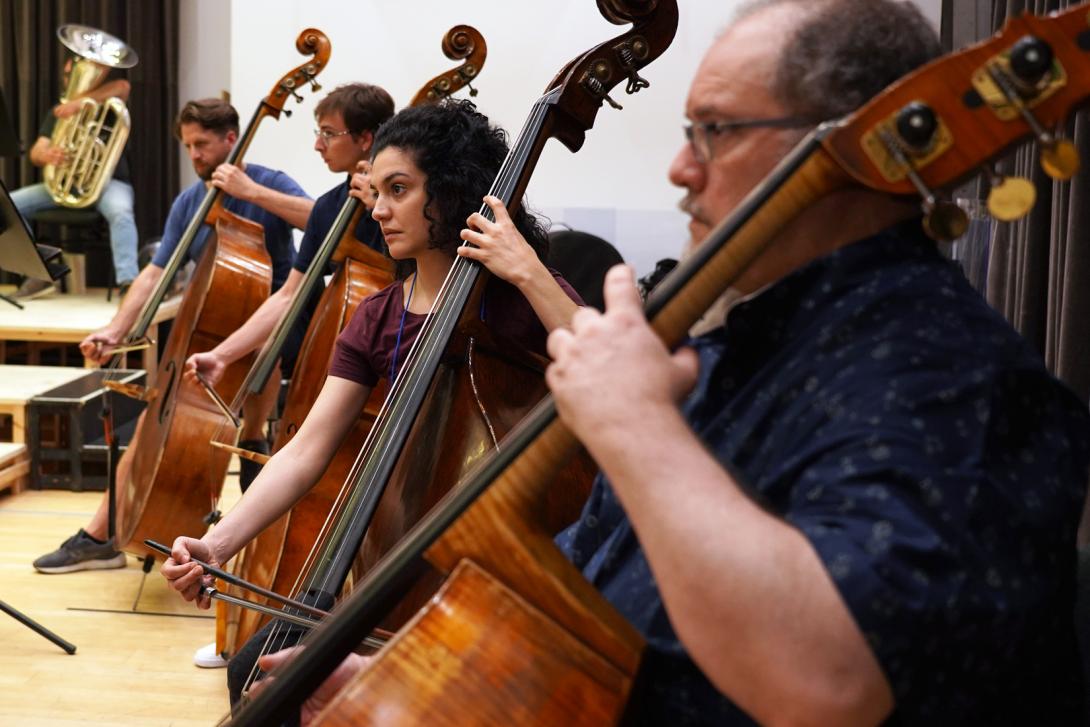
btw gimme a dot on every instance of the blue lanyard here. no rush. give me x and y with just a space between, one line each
400 330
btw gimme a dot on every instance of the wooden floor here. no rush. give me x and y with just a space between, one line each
130 668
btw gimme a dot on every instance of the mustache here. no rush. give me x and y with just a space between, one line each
690 207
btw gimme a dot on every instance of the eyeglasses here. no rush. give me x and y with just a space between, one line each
701 135
325 134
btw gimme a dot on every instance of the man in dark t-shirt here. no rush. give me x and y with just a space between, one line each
115 203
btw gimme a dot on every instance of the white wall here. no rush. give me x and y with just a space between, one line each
204 59
615 186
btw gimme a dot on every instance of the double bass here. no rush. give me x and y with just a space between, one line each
278 555
573 659
460 392
160 470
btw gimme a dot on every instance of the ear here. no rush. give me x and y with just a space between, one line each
231 137
365 139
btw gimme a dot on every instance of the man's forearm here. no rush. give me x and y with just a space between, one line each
133 302
293 210
118 88
257 328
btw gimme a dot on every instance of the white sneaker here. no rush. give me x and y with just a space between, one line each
207 657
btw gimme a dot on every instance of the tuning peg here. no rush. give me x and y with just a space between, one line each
594 80
288 86
310 76
598 89
916 126
629 54
1009 198
472 91
1059 157
943 220
1031 60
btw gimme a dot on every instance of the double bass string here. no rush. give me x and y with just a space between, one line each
416 378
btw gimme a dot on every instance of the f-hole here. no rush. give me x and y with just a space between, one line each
168 391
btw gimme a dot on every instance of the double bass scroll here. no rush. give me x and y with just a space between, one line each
462 42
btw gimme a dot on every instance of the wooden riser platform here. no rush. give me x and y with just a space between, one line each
14 468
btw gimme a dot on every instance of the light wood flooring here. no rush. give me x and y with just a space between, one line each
129 668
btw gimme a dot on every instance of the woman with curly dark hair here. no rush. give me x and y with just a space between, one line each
430 168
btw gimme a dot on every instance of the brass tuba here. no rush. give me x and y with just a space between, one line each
94 137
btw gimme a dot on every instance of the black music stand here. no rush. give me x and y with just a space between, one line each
19 254
18 251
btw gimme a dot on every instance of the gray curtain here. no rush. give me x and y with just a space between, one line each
1039 268
30 67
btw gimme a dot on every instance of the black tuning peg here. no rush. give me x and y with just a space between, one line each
1030 59
916 125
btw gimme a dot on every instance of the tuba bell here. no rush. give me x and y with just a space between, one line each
94 137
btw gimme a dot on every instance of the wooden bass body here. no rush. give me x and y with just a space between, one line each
277 556
168 477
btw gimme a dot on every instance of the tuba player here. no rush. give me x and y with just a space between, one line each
115 204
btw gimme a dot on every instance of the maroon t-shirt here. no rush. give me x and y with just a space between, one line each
365 347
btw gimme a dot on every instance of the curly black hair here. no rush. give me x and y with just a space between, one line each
461 154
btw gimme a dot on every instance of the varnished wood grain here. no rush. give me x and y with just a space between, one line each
170 474
480 655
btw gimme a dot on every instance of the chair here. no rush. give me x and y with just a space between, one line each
85 238
583 259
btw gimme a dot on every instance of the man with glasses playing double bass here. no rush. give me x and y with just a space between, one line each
347 118
856 498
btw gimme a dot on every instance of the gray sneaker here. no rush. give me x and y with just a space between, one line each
80 552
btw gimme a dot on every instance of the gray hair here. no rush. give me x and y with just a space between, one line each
842 53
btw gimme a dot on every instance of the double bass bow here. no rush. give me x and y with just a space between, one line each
231 279
275 559
932 130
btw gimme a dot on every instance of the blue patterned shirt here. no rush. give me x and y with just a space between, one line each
879 405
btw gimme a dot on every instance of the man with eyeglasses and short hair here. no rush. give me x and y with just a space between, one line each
854 497
347 119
